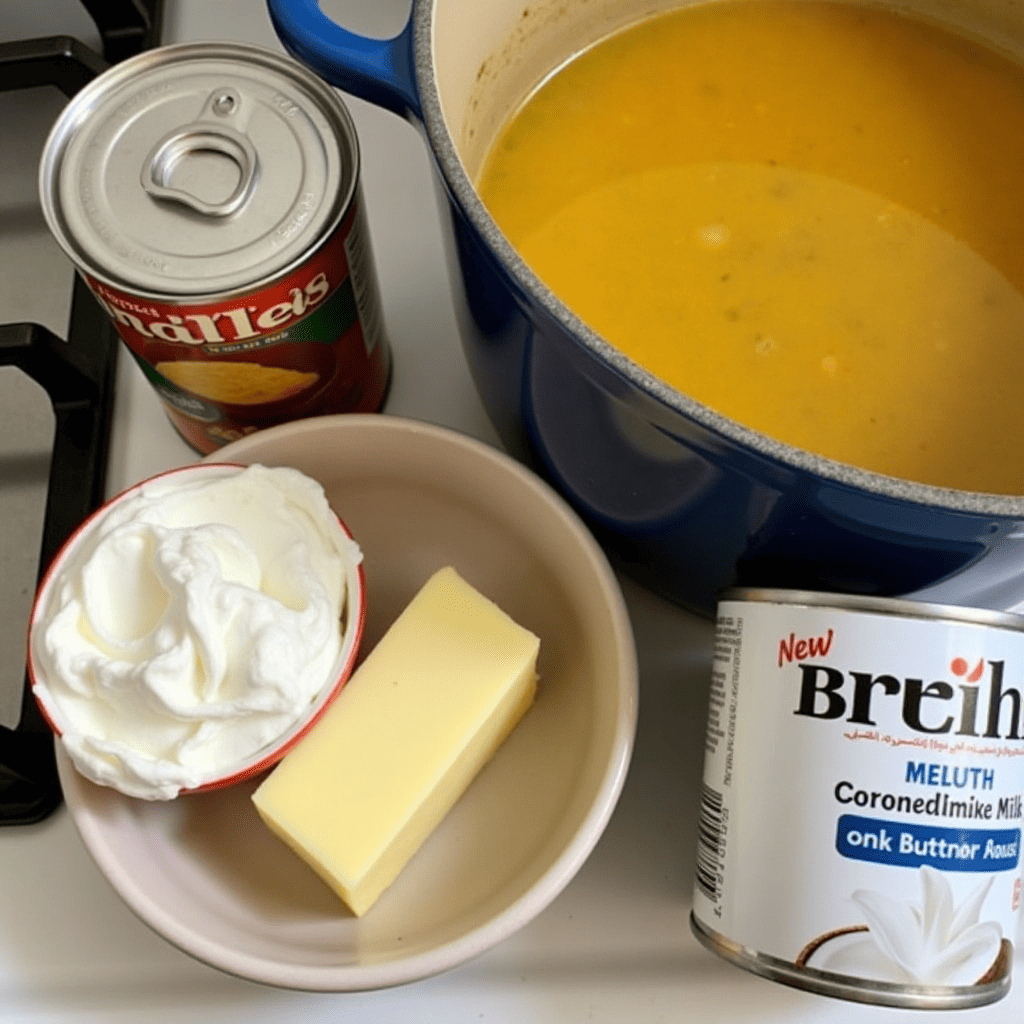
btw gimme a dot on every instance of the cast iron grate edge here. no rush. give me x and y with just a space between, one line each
78 375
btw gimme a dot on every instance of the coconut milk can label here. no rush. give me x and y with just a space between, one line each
861 808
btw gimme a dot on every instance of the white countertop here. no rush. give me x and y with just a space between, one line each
616 945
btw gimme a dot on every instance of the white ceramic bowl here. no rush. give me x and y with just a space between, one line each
271 753
205 872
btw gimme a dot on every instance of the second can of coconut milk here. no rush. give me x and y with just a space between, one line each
861 807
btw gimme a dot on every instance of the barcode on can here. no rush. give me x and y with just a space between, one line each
364 281
710 843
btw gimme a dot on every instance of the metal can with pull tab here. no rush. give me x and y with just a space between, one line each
209 194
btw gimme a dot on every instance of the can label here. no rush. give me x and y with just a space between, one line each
861 807
308 344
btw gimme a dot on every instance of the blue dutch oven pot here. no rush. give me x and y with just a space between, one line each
684 499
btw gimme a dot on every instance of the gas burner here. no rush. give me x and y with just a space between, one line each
78 375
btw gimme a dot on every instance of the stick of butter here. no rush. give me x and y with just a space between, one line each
411 729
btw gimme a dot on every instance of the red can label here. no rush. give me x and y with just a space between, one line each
308 344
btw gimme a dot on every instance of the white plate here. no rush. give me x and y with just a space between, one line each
205 872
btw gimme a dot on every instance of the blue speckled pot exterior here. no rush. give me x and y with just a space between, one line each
684 500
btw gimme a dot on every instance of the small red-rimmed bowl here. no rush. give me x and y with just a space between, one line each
353 622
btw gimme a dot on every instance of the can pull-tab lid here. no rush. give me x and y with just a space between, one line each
166 171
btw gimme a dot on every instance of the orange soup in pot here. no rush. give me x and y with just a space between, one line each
807 215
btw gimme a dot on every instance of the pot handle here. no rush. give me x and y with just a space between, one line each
378 70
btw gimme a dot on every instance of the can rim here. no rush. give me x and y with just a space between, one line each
76 113
849 987
901 607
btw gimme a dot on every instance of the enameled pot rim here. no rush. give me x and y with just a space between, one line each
463 192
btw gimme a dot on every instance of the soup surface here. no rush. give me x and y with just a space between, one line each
807 215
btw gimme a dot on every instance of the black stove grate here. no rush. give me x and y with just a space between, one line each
78 375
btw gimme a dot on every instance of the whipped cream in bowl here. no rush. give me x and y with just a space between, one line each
192 630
